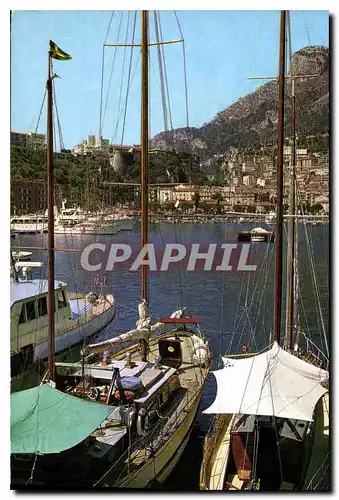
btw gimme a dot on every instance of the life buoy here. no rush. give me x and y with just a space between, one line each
93 393
141 421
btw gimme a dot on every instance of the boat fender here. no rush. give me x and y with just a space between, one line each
141 421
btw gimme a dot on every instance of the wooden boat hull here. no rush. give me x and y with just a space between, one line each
153 454
164 461
314 461
317 474
216 451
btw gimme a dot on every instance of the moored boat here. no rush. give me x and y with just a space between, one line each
256 235
29 224
77 316
125 411
272 407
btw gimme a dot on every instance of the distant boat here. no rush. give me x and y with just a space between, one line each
256 235
29 224
21 255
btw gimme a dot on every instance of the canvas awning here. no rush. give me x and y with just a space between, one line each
274 383
45 420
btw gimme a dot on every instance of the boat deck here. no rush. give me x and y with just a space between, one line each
191 375
85 306
176 411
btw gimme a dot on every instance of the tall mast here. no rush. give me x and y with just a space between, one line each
144 146
292 221
144 162
50 206
280 161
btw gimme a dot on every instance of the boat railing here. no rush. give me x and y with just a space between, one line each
320 479
313 354
147 445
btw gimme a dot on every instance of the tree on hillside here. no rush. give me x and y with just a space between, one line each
217 197
196 200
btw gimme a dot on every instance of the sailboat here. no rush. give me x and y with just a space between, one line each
148 392
41 308
271 430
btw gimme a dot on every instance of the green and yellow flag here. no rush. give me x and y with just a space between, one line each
57 53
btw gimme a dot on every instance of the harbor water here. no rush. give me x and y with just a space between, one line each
235 306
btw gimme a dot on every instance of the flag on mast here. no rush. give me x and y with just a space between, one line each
56 53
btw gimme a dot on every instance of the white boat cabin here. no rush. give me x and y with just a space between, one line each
29 321
29 224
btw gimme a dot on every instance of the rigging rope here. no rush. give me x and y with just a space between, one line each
318 308
120 106
128 81
162 84
42 105
306 28
111 74
61 141
185 68
102 73
261 283
166 79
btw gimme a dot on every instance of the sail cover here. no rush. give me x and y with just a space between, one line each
274 383
45 420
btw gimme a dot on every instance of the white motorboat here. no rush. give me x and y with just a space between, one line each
29 224
77 316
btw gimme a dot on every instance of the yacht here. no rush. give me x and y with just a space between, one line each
77 316
29 224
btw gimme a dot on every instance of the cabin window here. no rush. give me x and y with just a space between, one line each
62 302
22 318
30 310
42 306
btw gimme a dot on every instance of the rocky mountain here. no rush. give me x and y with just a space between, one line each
252 119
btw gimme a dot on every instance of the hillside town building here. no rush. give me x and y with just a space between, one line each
29 140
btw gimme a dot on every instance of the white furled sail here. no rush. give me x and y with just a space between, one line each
143 330
274 383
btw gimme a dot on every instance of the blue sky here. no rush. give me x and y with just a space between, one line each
223 48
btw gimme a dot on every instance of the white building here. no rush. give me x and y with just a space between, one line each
92 145
248 180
